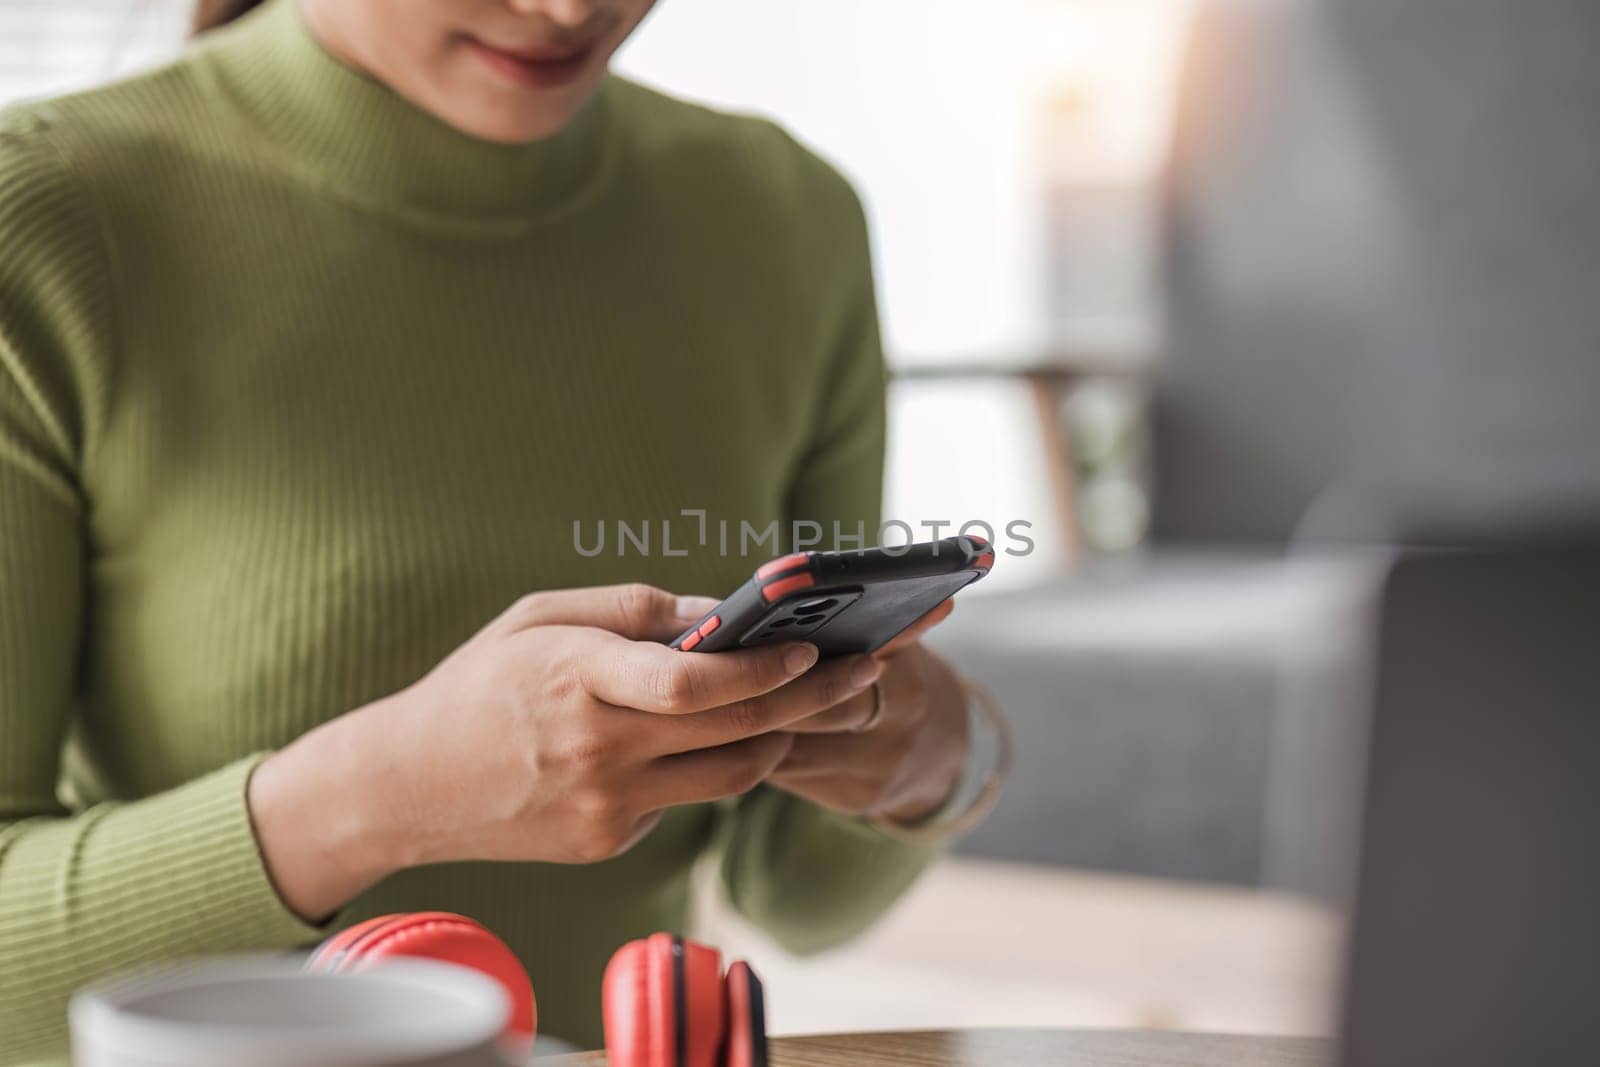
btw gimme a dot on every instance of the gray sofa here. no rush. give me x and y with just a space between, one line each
1148 704
1382 268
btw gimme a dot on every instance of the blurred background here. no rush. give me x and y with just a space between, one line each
1148 277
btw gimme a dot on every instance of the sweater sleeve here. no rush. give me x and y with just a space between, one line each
118 884
810 877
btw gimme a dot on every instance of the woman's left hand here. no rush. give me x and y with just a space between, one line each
897 752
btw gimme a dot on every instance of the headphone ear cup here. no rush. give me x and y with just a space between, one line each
442 936
663 1004
635 1002
705 1010
332 955
747 1018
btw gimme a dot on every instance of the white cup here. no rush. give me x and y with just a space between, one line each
257 1011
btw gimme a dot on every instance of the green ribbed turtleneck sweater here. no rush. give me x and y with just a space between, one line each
298 388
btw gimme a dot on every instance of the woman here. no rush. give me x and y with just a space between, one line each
314 345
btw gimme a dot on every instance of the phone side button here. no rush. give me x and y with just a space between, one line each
784 586
782 563
689 642
710 625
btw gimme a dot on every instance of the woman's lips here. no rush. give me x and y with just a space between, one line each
541 69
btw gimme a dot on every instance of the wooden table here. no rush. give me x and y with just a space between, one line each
1033 1048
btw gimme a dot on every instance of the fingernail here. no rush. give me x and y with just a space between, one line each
799 658
692 607
865 672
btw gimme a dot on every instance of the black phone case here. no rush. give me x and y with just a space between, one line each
842 602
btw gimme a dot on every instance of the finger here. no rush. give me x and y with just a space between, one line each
915 631
891 697
845 717
818 689
636 611
839 787
826 756
655 678
713 773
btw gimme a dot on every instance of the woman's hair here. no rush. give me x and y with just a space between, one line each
209 14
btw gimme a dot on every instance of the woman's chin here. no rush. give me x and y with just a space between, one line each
516 122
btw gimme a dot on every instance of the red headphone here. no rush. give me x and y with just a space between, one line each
665 999
668 1004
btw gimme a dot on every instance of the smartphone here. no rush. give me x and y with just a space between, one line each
842 602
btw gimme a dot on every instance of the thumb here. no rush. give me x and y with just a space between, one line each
636 611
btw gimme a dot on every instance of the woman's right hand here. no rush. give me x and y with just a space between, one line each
559 732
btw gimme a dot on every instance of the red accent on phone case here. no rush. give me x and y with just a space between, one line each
784 586
783 563
709 626
689 642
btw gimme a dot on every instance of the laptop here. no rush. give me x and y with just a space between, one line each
1476 935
